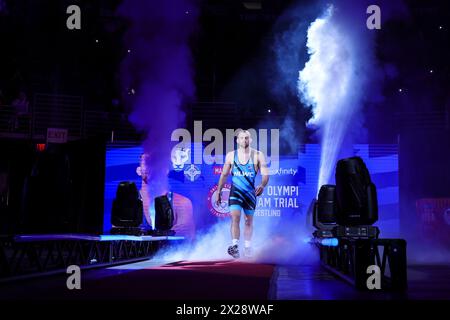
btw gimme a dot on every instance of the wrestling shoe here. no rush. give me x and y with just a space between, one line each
234 251
248 252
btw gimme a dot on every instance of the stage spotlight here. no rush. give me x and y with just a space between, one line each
352 245
127 209
164 216
349 208
356 194
326 205
324 211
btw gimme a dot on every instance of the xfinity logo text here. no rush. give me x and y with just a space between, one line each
282 171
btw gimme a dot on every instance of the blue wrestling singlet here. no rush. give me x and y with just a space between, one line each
242 194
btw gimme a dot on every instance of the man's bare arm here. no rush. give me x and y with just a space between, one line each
262 164
226 169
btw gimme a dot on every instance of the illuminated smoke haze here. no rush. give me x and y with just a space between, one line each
158 75
270 243
338 78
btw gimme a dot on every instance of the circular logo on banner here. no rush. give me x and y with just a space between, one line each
222 210
192 173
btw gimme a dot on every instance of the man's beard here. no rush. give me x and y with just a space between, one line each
244 146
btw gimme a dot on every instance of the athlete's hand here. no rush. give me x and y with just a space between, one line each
219 198
259 190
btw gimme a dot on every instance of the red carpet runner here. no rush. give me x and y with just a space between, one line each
186 280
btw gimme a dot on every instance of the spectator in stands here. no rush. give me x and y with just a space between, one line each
6 118
21 103
21 108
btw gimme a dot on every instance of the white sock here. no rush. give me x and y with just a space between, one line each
235 242
247 244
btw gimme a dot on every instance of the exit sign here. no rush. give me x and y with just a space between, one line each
56 135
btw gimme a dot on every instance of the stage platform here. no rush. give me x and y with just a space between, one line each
105 237
31 255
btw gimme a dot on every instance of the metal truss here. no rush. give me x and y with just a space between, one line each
28 258
351 258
